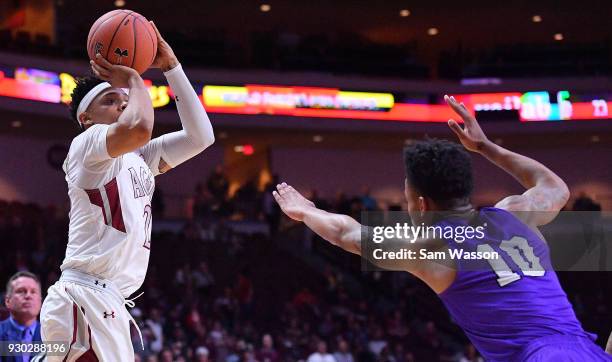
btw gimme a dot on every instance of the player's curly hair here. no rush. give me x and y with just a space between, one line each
440 170
83 86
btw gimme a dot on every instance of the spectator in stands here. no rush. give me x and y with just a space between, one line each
342 204
470 355
585 203
385 355
397 326
343 354
267 353
202 354
367 201
218 184
320 202
378 342
23 300
304 298
248 356
270 207
244 292
203 204
155 323
431 341
321 355
246 200
166 355
203 279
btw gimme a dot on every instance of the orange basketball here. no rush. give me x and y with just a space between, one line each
123 37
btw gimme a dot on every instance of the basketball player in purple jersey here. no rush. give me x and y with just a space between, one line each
512 308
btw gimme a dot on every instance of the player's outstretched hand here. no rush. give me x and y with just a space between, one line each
117 75
165 58
291 202
471 135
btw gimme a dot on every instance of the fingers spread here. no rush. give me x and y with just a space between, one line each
277 197
460 109
455 127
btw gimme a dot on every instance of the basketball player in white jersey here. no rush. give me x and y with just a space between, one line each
110 171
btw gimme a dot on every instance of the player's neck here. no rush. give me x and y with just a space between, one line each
452 206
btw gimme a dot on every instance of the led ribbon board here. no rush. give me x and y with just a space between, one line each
46 86
267 99
537 106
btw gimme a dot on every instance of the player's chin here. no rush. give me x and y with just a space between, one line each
112 119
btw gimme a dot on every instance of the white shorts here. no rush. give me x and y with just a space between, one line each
88 313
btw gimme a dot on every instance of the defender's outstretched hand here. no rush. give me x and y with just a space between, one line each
471 135
291 202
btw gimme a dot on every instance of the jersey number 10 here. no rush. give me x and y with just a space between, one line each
522 255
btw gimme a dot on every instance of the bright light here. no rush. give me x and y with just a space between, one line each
595 139
317 138
246 150
16 124
404 13
536 19
558 37
222 135
432 31
119 3
265 7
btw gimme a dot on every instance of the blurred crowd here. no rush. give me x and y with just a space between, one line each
249 299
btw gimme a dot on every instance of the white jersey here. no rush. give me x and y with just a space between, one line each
110 213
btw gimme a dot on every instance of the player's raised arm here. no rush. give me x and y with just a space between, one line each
197 133
135 124
344 231
340 230
546 192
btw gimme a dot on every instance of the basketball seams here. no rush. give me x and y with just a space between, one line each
134 35
153 47
110 43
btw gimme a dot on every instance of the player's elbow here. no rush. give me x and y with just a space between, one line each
558 191
208 141
141 132
203 142
564 194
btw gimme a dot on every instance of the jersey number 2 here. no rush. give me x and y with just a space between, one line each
147 224
522 255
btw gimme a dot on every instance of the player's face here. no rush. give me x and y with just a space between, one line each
25 299
108 106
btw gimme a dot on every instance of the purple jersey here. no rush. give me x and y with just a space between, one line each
502 310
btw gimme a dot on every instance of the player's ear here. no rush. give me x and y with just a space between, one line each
422 205
85 120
